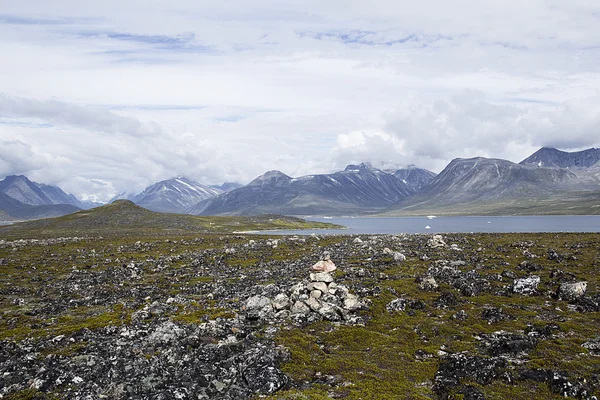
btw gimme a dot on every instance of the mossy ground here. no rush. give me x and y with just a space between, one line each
38 300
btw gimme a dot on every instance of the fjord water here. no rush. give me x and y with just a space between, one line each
368 225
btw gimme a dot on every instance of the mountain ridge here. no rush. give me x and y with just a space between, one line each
355 189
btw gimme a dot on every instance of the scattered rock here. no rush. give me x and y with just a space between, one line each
464 366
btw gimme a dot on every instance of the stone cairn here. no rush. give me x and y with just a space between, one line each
318 298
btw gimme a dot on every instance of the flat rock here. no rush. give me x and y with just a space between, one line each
321 277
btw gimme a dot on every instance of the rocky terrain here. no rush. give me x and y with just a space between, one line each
239 317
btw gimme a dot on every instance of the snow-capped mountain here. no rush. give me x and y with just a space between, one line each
415 178
551 157
174 195
359 188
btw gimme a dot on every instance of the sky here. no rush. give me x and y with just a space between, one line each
105 97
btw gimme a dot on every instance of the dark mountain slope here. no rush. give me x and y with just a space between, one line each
551 157
359 188
492 186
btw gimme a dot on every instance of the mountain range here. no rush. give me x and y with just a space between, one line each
357 189
548 181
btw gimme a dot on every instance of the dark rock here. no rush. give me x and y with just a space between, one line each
553 255
461 366
500 343
262 375
446 300
530 267
545 332
589 304
471 393
493 315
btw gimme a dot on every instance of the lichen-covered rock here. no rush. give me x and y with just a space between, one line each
464 366
281 302
501 342
396 305
436 241
258 307
300 307
526 286
428 283
572 291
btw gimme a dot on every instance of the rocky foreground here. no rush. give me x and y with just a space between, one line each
238 317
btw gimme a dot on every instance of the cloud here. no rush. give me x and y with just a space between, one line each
63 113
430 132
17 158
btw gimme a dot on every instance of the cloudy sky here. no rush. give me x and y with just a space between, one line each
103 97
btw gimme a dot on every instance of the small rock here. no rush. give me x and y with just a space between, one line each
300 308
352 303
399 257
316 294
428 283
396 305
329 312
321 286
493 315
281 302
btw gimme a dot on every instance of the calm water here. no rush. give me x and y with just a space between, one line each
560 223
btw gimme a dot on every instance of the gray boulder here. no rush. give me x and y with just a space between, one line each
258 307
572 291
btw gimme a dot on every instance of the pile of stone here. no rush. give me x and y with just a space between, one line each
315 299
